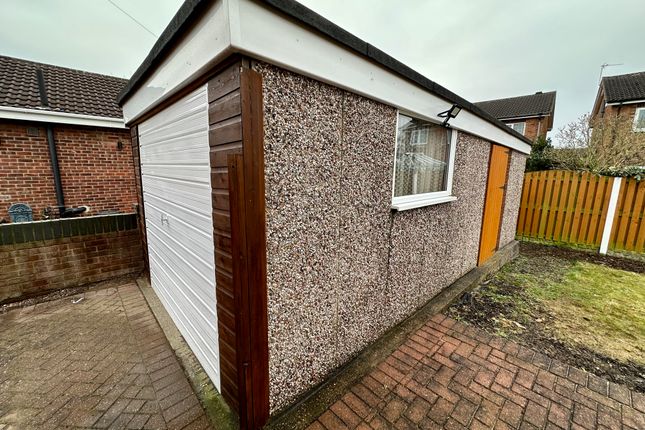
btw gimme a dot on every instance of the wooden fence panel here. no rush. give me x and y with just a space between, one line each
628 231
571 207
521 218
562 201
598 215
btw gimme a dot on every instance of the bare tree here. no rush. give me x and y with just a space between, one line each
599 144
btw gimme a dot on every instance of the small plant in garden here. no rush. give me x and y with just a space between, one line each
539 157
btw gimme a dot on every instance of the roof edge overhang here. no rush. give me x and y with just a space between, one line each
599 100
54 117
336 57
515 118
626 102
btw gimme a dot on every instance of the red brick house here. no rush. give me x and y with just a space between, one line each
530 115
622 95
63 142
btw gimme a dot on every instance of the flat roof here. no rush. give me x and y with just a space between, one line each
191 9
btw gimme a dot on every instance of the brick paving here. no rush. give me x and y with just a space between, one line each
100 363
454 376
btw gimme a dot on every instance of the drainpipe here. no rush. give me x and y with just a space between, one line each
53 155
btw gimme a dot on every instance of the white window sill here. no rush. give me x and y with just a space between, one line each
404 206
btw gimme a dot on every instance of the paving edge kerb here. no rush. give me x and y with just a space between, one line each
220 415
317 400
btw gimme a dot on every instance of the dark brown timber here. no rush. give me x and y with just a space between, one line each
224 113
256 263
237 178
141 216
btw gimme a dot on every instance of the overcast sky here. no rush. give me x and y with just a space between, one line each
479 49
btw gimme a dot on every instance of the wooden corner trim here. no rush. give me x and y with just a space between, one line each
248 234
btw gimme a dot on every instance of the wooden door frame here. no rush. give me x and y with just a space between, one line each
509 151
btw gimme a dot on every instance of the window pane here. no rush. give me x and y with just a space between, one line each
422 156
517 126
640 119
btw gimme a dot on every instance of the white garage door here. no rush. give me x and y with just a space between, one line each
175 175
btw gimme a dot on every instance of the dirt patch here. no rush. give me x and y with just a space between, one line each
509 304
631 265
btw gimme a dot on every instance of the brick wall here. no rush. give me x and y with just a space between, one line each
626 111
533 127
44 256
536 127
94 171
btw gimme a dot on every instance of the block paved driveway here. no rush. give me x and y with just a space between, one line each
101 363
450 375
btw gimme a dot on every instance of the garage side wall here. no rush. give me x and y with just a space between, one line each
342 266
513 196
432 247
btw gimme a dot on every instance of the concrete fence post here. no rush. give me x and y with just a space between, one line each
611 212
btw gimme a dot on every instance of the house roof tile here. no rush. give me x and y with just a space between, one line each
624 88
538 104
68 90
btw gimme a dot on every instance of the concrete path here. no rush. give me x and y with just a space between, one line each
100 363
451 375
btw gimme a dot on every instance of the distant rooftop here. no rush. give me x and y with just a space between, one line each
538 104
624 88
68 90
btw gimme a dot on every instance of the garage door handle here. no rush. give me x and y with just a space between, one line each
164 219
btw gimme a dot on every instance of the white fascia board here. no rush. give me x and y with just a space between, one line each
207 43
264 34
35 115
518 118
632 102
256 30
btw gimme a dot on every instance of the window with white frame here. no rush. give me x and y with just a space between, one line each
639 119
517 126
424 163
419 136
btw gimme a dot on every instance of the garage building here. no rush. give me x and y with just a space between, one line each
304 192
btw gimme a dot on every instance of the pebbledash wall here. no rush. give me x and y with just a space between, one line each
43 256
342 266
95 172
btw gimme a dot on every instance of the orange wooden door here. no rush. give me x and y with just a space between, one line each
494 203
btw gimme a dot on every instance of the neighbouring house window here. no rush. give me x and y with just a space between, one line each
639 119
517 126
423 163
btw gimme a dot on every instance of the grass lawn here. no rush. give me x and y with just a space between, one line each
592 305
582 308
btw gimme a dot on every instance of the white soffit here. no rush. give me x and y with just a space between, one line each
257 30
